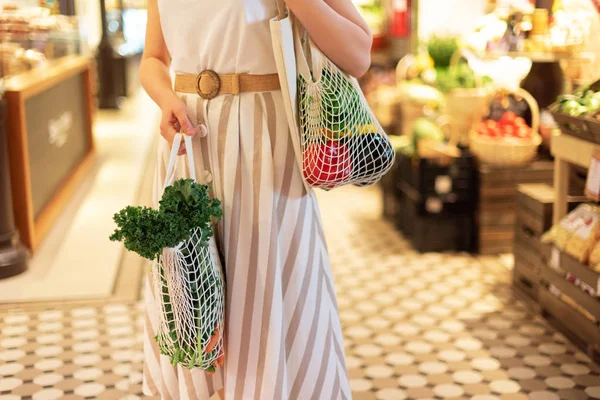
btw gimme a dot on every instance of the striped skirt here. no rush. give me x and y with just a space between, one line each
283 335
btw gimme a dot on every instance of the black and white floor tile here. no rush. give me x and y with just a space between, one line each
433 326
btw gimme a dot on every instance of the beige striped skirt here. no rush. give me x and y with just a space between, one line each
283 335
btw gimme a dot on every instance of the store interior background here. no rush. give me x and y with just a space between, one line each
124 140
431 324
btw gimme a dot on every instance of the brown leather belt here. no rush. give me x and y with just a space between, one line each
208 84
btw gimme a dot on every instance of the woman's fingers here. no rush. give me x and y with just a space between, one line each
182 149
184 121
168 131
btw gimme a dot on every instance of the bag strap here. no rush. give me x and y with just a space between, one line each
281 9
190 156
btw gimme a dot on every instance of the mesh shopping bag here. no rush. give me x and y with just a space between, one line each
189 285
341 141
187 276
189 281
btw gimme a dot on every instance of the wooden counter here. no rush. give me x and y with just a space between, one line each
51 147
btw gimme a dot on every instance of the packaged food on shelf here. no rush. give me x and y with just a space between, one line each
581 243
560 234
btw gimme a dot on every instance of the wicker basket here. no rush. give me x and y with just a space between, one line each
500 152
466 107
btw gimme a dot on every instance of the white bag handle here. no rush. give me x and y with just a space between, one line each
190 156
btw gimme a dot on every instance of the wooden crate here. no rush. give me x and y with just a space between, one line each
526 284
533 218
582 329
498 194
579 329
390 194
534 207
435 232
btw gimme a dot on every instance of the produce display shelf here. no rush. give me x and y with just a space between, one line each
570 264
538 57
567 151
589 303
576 327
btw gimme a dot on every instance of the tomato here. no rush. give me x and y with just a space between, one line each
520 122
524 132
508 118
491 124
328 164
509 130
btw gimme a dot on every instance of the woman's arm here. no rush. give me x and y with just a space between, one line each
156 80
339 30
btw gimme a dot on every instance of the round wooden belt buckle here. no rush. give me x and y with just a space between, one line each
208 84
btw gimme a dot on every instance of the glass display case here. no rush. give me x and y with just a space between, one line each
32 37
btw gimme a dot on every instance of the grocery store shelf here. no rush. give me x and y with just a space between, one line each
573 150
537 57
567 151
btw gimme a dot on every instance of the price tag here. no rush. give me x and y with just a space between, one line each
592 186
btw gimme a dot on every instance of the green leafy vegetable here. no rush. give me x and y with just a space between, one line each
184 206
459 76
441 49
583 101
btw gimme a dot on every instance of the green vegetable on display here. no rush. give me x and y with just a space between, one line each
441 49
424 128
583 102
459 76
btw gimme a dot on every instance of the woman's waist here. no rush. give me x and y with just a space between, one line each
209 84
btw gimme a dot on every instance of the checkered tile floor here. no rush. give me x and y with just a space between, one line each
434 326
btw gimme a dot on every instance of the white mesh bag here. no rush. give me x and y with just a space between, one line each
189 290
341 141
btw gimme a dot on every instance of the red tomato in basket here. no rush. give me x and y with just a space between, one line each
520 122
491 124
508 118
327 164
524 132
509 130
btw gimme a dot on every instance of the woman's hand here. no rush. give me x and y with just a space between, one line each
155 77
175 120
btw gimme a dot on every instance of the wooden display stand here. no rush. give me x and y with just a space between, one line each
534 217
497 197
567 150
567 306
49 120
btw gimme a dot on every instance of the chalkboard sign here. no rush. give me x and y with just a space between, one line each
57 137
51 148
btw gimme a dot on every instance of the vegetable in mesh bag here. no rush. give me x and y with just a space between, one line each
190 288
342 141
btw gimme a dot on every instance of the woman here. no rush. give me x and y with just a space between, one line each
283 336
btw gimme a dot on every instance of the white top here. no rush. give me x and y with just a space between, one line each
227 36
